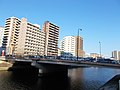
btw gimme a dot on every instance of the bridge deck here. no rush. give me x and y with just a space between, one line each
67 62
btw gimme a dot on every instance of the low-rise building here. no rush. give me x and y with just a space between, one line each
94 55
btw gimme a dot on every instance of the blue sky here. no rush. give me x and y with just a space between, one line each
99 19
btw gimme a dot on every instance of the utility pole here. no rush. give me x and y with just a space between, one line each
100 48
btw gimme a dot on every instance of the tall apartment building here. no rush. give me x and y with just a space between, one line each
31 40
51 38
1 35
116 55
11 32
23 38
72 44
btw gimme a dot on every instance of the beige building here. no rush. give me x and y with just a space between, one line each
79 46
94 55
31 40
23 38
11 32
73 45
51 38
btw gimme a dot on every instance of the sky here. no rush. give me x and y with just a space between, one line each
98 19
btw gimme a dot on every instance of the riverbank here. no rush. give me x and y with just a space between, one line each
112 84
4 66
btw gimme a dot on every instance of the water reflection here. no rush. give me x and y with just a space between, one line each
54 83
90 78
14 81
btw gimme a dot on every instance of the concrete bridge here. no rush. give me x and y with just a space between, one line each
43 67
50 67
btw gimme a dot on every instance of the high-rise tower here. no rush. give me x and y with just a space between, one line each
23 38
11 32
51 38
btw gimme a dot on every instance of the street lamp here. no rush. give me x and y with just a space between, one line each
100 48
78 42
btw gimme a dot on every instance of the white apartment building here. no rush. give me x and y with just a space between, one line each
1 35
23 38
72 44
68 44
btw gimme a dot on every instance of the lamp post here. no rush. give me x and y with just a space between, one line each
100 48
78 42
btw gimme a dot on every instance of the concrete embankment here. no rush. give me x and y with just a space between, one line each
5 65
112 84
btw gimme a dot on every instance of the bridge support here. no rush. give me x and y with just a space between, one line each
51 69
41 69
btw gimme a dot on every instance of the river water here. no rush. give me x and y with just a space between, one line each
82 78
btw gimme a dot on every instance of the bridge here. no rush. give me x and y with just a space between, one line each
43 67
50 67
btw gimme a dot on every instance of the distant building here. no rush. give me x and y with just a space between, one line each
119 55
116 55
1 35
59 52
94 55
51 38
69 45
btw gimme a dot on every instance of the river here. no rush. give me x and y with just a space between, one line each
82 78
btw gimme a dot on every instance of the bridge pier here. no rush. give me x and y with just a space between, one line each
38 69
51 69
